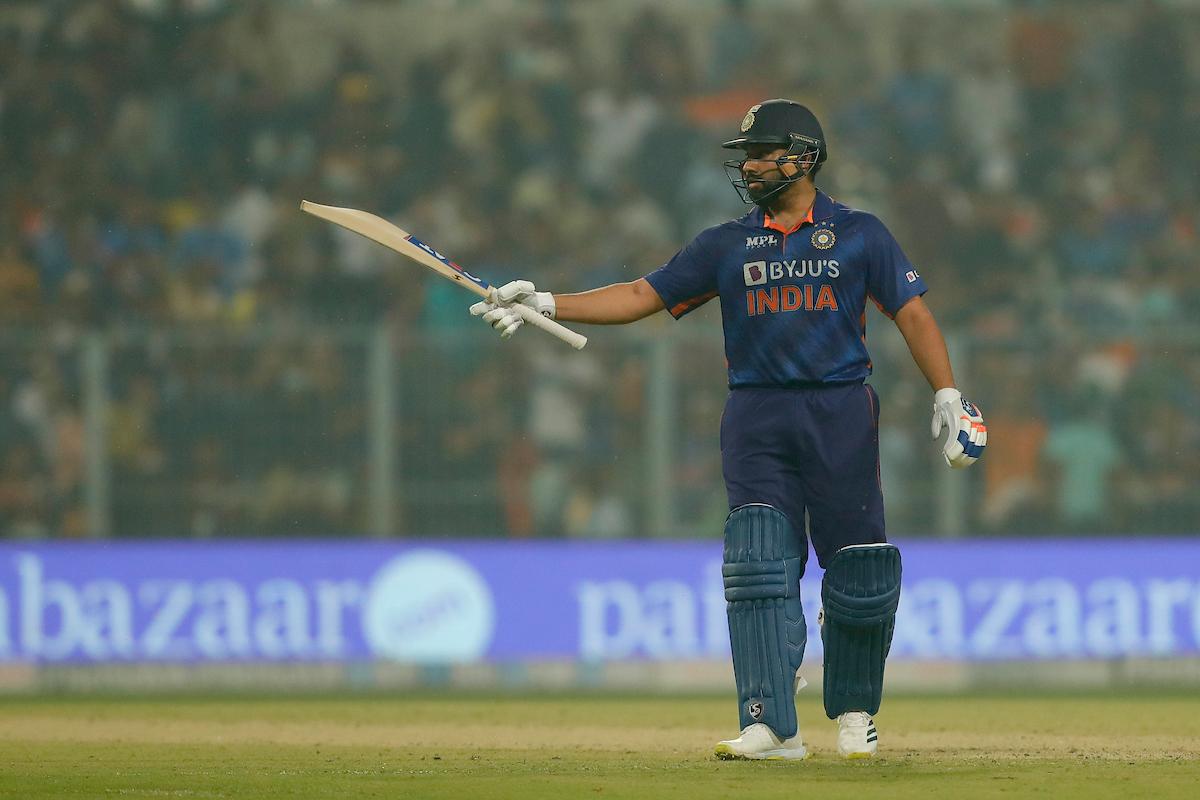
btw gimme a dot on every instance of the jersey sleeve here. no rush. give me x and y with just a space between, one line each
689 279
892 280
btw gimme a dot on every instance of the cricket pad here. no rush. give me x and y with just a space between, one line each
762 569
859 594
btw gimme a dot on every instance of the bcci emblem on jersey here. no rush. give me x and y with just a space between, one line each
823 239
755 272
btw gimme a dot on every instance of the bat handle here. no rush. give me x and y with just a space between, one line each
551 327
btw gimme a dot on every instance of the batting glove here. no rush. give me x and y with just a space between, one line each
961 418
497 309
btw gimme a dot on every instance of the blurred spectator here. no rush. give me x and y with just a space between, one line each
19 286
1014 497
1041 47
1085 457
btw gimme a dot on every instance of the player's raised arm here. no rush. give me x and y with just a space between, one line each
962 419
616 304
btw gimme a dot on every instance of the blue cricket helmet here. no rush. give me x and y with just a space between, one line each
783 123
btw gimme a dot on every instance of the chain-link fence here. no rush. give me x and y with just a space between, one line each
335 431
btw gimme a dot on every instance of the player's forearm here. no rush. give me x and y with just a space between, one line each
609 305
925 342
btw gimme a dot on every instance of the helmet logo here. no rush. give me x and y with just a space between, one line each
748 120
823 239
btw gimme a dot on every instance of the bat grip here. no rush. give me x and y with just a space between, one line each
551 327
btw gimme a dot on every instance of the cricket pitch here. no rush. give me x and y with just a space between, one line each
530 747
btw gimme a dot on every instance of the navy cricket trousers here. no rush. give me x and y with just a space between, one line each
811 451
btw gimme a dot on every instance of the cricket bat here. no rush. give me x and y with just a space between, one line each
379 230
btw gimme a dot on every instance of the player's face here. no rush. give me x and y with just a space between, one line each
761 169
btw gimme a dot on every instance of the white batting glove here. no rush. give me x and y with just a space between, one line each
497 309
961 418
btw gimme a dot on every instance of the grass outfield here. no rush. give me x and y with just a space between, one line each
557 746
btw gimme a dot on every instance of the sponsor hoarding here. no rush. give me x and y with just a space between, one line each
457 601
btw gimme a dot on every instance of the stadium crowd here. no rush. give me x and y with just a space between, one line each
1041 173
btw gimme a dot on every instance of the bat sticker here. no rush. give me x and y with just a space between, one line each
447 262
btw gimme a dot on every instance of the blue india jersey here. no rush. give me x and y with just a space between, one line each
793 303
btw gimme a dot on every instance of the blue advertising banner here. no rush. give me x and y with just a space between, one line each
445 602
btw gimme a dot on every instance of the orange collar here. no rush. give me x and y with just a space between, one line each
771 224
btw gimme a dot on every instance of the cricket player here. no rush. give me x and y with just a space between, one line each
800 435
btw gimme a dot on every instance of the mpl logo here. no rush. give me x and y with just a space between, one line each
755 272
753 242
429 606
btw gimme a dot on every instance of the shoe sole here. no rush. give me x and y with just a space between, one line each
726 753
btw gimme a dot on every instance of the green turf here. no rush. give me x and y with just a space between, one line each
585 746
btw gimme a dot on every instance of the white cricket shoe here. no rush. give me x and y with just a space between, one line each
758 741
856 735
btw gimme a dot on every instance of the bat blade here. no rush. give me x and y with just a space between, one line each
379 230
